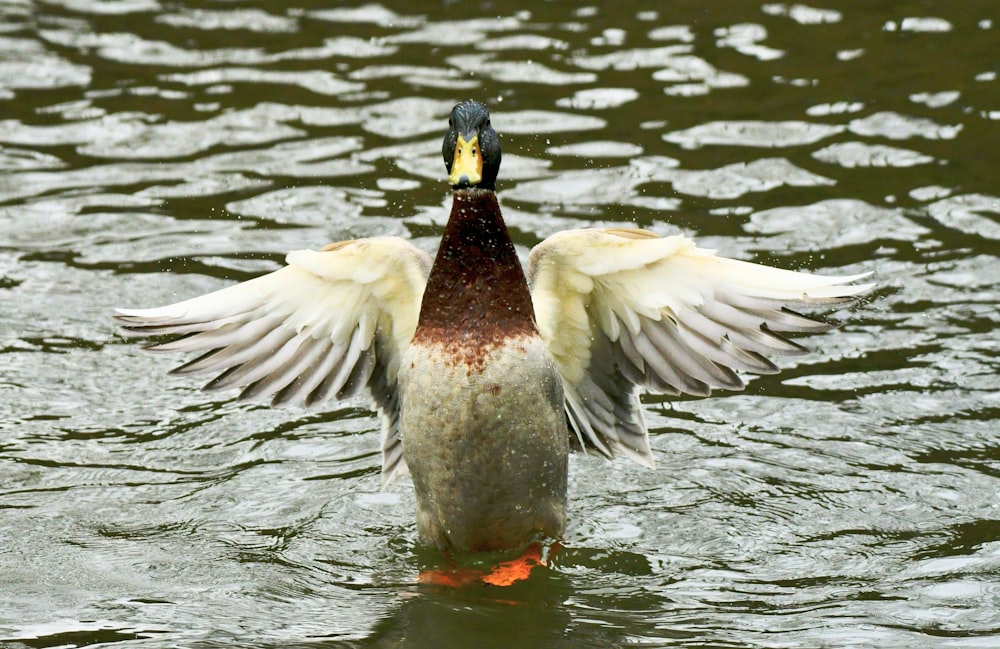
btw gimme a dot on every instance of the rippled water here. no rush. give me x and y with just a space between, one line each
151 151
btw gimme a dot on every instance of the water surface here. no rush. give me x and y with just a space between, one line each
152 151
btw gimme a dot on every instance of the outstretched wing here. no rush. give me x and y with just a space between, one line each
330 325
622 308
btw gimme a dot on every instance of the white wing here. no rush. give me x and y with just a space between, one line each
622 308
331 324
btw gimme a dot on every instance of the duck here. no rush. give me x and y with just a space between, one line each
488 374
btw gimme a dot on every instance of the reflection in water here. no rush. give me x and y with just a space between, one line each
151 151
528 615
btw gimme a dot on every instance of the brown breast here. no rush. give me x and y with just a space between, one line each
476 295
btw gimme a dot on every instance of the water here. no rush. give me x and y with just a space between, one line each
153 151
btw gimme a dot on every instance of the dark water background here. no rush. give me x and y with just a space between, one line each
153 150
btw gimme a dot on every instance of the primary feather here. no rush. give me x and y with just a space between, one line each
621 308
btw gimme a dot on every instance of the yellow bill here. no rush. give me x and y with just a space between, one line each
467 167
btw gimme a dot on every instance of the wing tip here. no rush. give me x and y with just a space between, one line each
122 312
641 456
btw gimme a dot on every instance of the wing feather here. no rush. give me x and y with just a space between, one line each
621 309
332 324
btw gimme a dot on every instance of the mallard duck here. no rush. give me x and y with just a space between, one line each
487 376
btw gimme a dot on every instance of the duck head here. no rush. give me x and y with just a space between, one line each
471 147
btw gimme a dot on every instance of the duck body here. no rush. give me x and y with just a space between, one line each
487 375
481 404
486 444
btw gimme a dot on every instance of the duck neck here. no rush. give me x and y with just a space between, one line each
476 287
